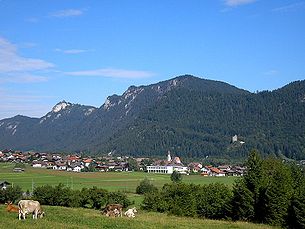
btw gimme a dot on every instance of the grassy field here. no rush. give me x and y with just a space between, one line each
59 217
112 181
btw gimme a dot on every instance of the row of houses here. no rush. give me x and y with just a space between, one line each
73 163
170 165
77 163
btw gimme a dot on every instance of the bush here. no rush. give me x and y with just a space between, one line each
213 201
145 186
118 198
176 177
154 201
11 194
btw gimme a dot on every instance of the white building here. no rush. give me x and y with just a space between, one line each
167 169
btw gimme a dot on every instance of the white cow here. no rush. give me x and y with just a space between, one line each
29 206
131 212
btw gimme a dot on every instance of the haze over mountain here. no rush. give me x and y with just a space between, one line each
190 116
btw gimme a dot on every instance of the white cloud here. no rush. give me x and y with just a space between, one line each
22 78
25 103
72 51
67 13
290 7
11 61
113 73
238 2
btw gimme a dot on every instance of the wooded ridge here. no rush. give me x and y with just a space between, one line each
190 116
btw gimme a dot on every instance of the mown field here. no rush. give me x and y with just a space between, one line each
112 181
60 217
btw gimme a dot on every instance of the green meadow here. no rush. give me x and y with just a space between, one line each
60 217
112 181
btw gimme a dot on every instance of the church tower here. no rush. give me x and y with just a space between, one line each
169 158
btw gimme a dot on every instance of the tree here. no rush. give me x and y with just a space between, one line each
132 164
145 186
296 211
242 203
253 179
276 193
176 177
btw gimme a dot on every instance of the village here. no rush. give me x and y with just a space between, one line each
110 163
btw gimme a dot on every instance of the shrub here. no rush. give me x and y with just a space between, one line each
176 177
11 193
145 186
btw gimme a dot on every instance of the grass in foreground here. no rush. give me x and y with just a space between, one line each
60 217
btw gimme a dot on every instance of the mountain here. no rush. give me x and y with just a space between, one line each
190 116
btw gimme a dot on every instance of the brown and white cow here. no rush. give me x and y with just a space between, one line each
30 206
10 207
113 210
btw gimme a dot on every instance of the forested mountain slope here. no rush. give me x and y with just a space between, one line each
190 116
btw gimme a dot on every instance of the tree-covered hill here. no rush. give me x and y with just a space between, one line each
197 123
190 116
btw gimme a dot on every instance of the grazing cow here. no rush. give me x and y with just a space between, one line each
30 206
10 207
131 212
113 210
113 213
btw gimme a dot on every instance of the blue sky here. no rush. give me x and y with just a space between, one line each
84 51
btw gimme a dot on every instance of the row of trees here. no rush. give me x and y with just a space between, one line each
270 192
61 195
94 197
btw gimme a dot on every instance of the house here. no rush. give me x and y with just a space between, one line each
87 161
217 172
195 167
37 164
77 169
204 174
3 185
60 166
102 168
206 170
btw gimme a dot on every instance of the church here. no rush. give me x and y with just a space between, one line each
168 166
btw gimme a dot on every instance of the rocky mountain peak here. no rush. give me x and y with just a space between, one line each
61 106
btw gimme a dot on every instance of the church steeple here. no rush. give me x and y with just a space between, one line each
169 158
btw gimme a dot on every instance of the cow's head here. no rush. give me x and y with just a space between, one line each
42 214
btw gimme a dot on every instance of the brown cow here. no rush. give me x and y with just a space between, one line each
113 210
10 207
